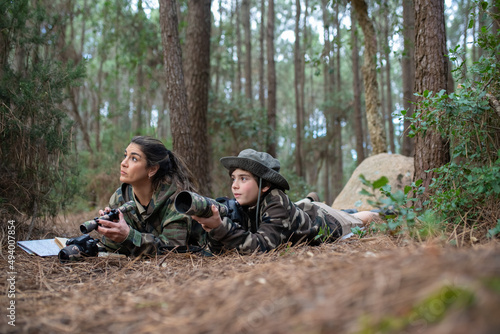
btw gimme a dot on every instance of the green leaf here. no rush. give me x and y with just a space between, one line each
380 182
407 190
364 192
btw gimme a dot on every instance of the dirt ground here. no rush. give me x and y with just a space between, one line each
377 284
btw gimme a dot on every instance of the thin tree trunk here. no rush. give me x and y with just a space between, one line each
245 9
219 53
138 122
262 97
408 69
271 82
390 127
337 133
374 118
238 50
358 116
298 94
176 89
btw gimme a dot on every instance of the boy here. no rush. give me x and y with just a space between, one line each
269 217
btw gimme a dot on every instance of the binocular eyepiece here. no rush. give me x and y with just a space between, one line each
91 225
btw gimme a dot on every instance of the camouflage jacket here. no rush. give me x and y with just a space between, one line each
280 221
153 228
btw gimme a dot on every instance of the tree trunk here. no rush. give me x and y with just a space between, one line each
271 82
238 50
245 10
219 53
197 85
358 115
329 112
262 97
374 118
431 73
390 127
138 122
337 179
408 69
176 89
298 94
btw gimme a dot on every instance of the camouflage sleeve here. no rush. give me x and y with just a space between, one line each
171 232
274 228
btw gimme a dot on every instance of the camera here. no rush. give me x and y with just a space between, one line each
78 247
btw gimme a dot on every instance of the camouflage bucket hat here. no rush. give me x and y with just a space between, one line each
261 164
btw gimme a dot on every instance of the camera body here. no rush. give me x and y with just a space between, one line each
78 247
91 225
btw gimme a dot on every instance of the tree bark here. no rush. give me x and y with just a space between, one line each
197 86
431 73
174 76
238 50
245 10
390 127
358 115
373 115
262 97
271 82
408 69
299 113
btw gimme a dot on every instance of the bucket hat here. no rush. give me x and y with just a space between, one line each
261 164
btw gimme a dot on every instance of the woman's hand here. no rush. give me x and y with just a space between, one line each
116 231
211 222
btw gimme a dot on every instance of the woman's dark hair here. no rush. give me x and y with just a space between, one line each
172 168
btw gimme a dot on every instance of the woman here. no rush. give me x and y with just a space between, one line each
151 176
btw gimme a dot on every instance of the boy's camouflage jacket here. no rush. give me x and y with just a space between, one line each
158 226
280 221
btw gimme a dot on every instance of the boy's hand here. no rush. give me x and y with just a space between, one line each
116 231
211 222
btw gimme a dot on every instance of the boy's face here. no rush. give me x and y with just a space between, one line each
245 188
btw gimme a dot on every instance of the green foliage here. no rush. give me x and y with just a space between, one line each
358 231
466 190
398 210
36 176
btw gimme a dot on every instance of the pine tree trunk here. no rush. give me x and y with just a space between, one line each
271 82
238 50
408 69
197 86
174 76
262 84
390 127
431 73
298 94
373 115
245 10
337 179
358 115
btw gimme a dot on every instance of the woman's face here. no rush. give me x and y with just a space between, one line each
133 166
245 188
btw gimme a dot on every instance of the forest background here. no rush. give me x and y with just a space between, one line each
210 78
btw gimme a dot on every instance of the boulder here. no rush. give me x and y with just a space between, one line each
397 168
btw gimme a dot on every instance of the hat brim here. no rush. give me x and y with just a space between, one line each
257 169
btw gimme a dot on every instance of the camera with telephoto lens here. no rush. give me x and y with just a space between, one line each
193 204
79 247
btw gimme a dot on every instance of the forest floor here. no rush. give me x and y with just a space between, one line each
376 284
